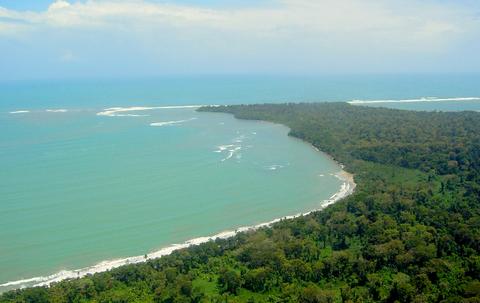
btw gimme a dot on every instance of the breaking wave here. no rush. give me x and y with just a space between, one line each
171 122
275 167
20 112
60 110
423 99
232 149
125 111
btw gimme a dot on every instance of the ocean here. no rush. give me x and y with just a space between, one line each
101 170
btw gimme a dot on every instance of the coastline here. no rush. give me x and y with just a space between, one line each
347 188
424 99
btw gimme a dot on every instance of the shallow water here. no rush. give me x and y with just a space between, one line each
78 188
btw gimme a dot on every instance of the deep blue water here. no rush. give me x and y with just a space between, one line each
233 90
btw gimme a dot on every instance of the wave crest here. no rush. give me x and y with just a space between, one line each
60 110
19 112
121 111
423 99
171 122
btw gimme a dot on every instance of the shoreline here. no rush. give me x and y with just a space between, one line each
346 189
425 99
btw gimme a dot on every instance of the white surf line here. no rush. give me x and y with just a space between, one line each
425 99
20 112
346 189
60 110
119 111
171 122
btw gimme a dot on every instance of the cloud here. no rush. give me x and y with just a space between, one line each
59 4
321 34
321 16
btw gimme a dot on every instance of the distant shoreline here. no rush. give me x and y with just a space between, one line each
425 99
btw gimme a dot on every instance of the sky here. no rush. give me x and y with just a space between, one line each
44 39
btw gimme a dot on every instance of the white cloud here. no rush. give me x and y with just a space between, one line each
331 16
59 4
290 30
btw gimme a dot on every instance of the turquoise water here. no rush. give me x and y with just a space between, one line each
77 188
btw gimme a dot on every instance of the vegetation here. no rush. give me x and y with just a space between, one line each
410 233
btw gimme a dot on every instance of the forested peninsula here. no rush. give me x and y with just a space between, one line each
409 233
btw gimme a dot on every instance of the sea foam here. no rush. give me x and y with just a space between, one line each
347 188
424 99
231 152
171 122
232 149
123 111
222 148
275 167
20 112
60 110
